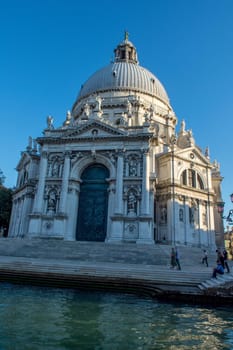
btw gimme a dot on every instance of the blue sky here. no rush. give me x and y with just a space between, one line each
50 47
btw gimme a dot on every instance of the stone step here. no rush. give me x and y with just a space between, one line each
147 264
97 251
113 270
214 282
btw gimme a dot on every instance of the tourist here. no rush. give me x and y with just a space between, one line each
220 257
205 258
177 259
225 255
218 269
173 258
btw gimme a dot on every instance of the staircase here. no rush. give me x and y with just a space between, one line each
125 266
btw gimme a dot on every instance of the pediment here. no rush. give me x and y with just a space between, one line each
94 129
25 159
193 154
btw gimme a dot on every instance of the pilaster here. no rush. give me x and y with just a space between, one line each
65 183
145 207
119 185
38 202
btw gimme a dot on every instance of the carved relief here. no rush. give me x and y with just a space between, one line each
131 231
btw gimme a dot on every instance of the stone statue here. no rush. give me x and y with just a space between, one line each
207 152
133 167
55 169
146 117
190 133
182 126
193 213
68 118
132 202
151 111
52 202
129 108
163 214
50 122
99 103
86 110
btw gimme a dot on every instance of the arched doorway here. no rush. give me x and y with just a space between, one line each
93 204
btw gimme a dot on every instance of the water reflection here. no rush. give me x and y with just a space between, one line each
41 318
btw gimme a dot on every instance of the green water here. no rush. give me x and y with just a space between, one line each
41 318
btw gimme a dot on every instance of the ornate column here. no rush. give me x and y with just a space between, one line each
38 202
145 207
119 185
65 183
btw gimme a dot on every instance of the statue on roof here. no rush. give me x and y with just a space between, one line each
99 103
182 126
126 35
207 152
50 122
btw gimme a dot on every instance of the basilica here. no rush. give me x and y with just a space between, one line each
117 170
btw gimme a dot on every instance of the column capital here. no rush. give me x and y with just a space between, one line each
145 151
67 154
120 152
44 154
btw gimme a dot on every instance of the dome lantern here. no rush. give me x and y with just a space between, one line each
126 51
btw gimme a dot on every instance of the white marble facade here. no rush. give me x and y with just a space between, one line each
160 186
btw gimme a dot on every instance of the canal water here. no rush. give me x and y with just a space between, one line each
33 318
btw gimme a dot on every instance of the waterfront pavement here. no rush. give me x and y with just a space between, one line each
125 267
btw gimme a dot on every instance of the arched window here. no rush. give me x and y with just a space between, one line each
190 177
200 182
184 178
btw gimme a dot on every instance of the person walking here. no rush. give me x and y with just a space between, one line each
177 259
225 256
173 258
205 258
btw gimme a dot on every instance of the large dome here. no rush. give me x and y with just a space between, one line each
124 74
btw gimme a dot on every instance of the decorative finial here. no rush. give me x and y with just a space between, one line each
126 35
